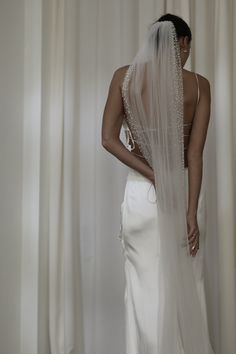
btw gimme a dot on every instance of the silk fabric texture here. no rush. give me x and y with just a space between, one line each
141 249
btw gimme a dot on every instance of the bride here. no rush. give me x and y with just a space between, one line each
165 111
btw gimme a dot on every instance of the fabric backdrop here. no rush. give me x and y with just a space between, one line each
72 263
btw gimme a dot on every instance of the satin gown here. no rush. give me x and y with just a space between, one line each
139 241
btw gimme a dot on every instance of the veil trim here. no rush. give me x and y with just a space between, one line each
130 120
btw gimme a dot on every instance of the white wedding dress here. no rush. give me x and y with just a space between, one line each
138 236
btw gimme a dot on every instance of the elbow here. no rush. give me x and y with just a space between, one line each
106 143
110 142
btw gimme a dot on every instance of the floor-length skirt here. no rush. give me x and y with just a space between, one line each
138 236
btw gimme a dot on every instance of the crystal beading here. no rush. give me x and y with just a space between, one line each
130 120
177 124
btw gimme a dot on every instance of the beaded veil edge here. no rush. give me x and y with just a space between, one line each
178 104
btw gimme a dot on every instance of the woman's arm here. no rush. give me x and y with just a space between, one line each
196 146
111 125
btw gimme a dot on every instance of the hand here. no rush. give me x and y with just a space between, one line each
193 234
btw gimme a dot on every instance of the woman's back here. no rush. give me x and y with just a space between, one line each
191 88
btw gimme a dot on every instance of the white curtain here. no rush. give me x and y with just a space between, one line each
51 294
72 265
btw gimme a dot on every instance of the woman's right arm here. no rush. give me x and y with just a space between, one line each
195 152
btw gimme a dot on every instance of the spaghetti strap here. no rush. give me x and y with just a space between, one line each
198 91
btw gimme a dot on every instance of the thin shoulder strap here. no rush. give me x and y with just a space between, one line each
198 91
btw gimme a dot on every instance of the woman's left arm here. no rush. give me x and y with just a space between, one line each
111 126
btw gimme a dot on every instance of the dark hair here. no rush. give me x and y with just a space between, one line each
181 27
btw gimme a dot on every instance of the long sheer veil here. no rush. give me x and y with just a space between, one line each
153 96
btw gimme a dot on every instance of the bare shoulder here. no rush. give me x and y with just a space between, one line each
205 87
119 74
204 83
191 73
202 79
121 70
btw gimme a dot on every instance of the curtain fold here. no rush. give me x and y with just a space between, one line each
77 281
65 303
31 193
60 301
56 153
223 114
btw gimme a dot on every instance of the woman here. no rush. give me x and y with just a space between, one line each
165 110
